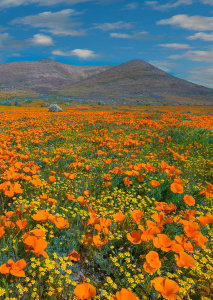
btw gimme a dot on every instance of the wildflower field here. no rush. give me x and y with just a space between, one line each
102 202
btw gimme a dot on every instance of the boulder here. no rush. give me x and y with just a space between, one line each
55 108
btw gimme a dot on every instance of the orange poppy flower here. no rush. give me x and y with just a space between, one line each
140 178
35 242
155 183
88 167
152 262
61 223
70 197
207 219
87 192
185 260
85 291
167 287
14 268
82 201
137 215
44 196
52 178
69 175
152 258
88 239
39 246
208 191
103 226
166 208
39 233
2 231
98 242
74 256
163 242
188 199
176 188
41 215
149 269
119 217
127 181
107 176
21 224
125 294
189 214
181 244
134 237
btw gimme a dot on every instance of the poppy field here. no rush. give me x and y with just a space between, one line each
103 202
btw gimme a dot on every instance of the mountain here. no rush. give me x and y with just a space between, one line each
44 75
137 81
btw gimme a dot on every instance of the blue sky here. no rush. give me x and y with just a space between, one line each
174 35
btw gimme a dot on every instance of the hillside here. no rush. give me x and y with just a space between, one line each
137 81
44 75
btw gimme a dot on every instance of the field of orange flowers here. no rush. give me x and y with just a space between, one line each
101 202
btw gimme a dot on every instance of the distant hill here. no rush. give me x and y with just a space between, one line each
136 82
44 75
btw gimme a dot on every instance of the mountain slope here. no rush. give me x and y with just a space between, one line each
44 75
138 81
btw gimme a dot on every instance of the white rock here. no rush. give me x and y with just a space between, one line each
55 108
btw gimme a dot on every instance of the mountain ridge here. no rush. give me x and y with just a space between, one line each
138 81
135 81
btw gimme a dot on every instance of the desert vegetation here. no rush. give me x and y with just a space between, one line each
106 202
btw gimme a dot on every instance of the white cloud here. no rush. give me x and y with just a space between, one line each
3 37
207 2
57 23
196 55
202 76
113 26
176 46
80 53
171 4
163 65
120 35
202 36
131 6
41 39
13 3
189 22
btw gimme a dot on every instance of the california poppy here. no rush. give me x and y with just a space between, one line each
21 224
51 178
14 268
119 217
41 215
137 215
176 188
61 223
167 287
155 183
163 242
134 237
74 256
85 291
125 294
98 242
188 199
185 260
2 231
207 219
